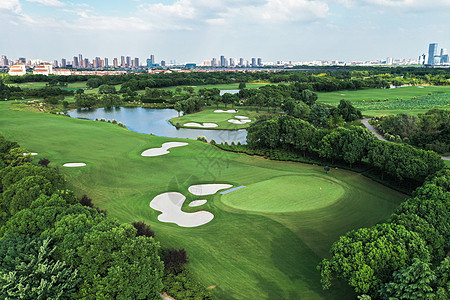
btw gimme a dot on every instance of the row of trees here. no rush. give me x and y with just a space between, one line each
54 246
404 258
353 145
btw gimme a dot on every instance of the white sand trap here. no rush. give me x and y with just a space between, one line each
420 87
230 111
241 117
164 149
207 189
205 125
170 205
197 203
30 153
74 165
239 122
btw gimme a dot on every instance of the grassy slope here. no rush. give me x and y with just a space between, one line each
248 255
368 95
209 116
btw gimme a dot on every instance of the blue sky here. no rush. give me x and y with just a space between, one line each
194 30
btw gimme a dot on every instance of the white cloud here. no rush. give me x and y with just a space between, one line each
399 4
11 5
55 3
180 9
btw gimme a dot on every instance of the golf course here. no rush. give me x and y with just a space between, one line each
261 241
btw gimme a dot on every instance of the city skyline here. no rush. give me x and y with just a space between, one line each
192 30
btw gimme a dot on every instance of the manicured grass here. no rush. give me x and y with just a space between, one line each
209 116
286 194
247 254
368 95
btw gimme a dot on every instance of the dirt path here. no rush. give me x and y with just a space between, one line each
381 138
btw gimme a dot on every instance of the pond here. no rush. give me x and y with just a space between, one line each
156 121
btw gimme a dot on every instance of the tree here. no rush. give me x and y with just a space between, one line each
413 282
117 264
107 89
28 271
44 162
143 229
242 85
174 260
17 157
327 169
110 100
93 83
348 111
319 114
308 97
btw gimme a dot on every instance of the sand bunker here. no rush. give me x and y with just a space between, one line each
30 153
205 125
241 117
73 165
197 203
170 205
207 189
230 111
239 122
164 149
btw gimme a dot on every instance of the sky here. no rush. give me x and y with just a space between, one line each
196 30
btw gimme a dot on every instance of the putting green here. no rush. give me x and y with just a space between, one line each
286 194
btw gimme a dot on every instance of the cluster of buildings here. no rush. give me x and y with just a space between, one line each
223 62
435 57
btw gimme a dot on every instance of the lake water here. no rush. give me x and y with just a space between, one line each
156 121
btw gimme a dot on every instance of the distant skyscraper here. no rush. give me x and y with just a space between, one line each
4 61
106 63
55 63
241 61
75 63
223 62
128 61
80 61
115 63
86 63
122 61
422 59
259 61
214 62
63 63
432 51
163 63
152 58
136 62
22 60
253 62
232 62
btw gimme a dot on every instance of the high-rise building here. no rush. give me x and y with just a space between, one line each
152 58
444 56
106 63
232 62
55 63
241 62
214 62
432 52
253 62
4 61
115 63
63 62
86 63
259 61
223 61
163 63
122 61
75 63
22 60
128 61
136 62
80 60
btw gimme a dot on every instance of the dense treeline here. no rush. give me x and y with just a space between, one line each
352 146
54 246
429 131
404 258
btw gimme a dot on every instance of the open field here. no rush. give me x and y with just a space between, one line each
209 116
251 249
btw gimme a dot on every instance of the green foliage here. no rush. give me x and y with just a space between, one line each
28 271
348 111
117 264
308 97
183 286
111 100
15 157
85 100
107 89
94 82
366 257
319 115
412 282
427 102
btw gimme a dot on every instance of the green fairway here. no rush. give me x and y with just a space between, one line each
251 249
368 95
286 194
221 119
